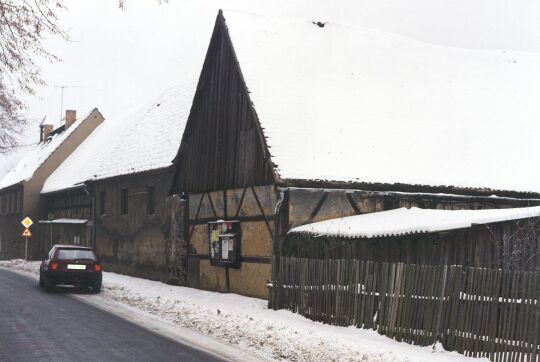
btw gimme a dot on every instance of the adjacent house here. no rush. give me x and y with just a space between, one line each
112 192
20 187
295 122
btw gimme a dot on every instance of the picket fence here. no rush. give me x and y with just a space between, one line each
479 312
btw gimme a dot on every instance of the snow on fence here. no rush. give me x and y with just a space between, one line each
479 312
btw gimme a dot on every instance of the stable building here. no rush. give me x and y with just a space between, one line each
489 238
20 187
112 192
295 122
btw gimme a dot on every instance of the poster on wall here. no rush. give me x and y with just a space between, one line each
224 243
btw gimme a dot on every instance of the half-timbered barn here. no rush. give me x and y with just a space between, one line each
112 192
295 122
20 187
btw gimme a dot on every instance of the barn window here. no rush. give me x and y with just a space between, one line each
151 200
102 209
123 201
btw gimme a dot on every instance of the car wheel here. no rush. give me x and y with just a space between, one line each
96 288
41 281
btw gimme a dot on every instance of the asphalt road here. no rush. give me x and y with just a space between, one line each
35 326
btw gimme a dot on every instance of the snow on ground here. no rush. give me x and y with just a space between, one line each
245 323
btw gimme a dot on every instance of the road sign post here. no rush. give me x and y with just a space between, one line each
26 234
27 222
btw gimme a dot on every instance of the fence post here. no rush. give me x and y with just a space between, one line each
437 333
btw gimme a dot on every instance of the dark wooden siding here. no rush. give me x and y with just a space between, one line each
222 146
510 245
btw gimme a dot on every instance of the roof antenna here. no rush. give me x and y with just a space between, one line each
62 96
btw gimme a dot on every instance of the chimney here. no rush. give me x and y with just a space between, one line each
46 130
71 117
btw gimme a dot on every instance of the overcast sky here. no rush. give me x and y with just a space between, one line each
120 59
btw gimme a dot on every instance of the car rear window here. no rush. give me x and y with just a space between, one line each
75 254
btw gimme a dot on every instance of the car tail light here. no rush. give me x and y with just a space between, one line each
53 266
97 267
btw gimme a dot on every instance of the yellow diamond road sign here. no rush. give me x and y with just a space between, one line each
27 222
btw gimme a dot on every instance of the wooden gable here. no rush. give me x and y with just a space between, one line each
223 145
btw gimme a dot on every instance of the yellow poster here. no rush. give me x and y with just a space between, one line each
214 235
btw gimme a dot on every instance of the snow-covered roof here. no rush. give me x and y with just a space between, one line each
404 221
64 221
142 140
36 155
346 103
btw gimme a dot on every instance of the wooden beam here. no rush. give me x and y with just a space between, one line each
317 208
212 206
353 204
240 203
262 212
196 217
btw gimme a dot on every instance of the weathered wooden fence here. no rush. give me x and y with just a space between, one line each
478 312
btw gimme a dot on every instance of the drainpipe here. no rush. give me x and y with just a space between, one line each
93 198
276 248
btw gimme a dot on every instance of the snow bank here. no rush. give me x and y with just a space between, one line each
349 103
410 221
248 324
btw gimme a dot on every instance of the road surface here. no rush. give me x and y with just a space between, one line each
35 325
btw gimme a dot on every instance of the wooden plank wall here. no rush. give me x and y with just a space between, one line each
497 245
223 146
476 311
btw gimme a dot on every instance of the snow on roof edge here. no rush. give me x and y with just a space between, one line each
465 183
152 130
62 137
405 221
400 187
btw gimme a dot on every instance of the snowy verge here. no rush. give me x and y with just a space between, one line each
247 327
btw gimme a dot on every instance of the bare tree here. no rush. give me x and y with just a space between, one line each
23 27
519 244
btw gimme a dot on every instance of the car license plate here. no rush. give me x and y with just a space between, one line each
76 267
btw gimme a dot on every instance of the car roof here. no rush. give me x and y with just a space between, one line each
72 247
